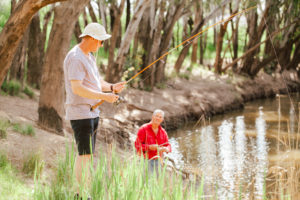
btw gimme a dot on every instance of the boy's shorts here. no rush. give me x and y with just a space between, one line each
85 131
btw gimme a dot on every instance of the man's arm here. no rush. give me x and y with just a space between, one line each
85 92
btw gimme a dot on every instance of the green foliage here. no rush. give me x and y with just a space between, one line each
33 165
24 129
4 124
12 87
28 92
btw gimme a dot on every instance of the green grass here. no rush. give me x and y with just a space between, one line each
28 92
24 129
117 179
33 165
12 87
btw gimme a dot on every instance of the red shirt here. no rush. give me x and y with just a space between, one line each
146 137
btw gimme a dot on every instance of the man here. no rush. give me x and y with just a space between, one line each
152 140
84 88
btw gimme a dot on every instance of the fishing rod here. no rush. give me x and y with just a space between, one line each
186 41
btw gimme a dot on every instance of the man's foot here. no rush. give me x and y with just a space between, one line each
77 197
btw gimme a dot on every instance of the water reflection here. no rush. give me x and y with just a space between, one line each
261 156
227 162
232 160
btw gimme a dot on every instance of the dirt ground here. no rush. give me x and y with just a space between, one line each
182 100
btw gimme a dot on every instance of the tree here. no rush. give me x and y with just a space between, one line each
14 29
51 104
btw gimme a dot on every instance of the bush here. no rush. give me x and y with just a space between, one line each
24 129
12 87
33 165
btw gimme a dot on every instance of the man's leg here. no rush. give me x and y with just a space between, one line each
82 169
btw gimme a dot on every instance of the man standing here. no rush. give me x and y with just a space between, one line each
152 140
84 88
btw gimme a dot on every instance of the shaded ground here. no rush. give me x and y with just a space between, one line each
182 100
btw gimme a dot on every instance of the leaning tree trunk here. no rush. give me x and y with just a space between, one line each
114 72
51 104
14 29
35 53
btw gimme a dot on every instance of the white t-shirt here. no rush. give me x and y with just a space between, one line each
78 66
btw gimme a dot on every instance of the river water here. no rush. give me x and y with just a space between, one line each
236 151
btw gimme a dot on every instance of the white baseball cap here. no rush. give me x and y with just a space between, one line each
96 31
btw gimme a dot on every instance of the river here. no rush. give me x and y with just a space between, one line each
237 151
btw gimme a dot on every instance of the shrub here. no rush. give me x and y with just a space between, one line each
33 165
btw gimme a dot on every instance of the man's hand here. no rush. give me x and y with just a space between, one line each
118 87
153 147
164 149
110 97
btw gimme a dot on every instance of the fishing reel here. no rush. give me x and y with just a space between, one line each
120 100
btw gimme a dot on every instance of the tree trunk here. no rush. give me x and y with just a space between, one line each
51 104
219 60
17 69
127 13
77 31
296 58
35 53
255 33
92 13
115 72
235 34
198 18
14 29
154 40
113 40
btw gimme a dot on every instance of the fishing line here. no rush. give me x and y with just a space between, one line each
186 41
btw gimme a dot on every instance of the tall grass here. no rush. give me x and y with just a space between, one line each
11 187
113 178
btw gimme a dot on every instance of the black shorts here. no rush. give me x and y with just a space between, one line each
85 131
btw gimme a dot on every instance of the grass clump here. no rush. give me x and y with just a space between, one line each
12 87
33 165
4 124
24 129
28 92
